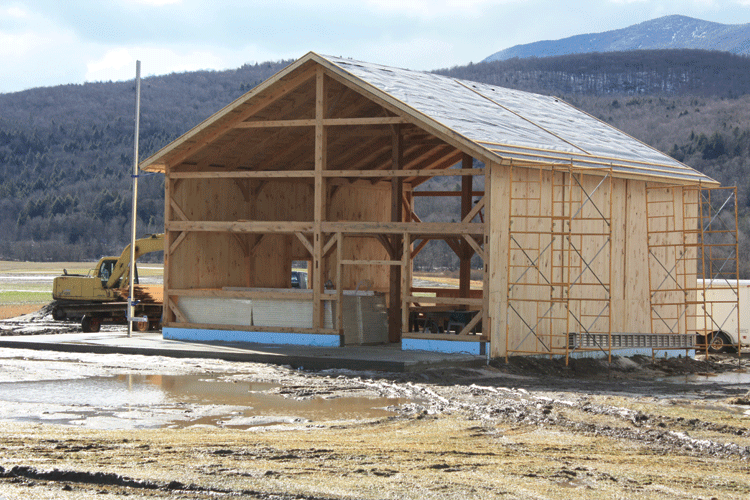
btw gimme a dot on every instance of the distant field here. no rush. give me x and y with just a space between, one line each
24 283
27 286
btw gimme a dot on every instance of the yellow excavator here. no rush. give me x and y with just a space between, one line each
101 295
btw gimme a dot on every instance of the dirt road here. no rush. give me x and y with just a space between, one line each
531 429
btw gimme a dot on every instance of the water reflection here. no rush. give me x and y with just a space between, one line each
153 401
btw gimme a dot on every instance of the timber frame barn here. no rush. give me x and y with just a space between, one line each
575 222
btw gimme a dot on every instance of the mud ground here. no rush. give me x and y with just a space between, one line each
672 428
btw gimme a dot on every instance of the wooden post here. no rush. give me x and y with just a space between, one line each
320 201
405 281
394 306
339 283
467 252
167 312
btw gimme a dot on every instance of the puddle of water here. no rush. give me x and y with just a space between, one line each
735 378
154 401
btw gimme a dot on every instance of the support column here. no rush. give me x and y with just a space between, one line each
467 252
394 304
320 199
167 312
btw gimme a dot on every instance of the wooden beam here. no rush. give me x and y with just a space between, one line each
277 91
416 229
250 293
305 242
406 280
419 247
429 124
386 242
471 324
478 206
440 166
240 174
319 209
177 210
339 238
422 228
168 191
333 240
475 246
242 243
327 122
354 262
244 189
292 174
397 216
455 245
413 299
176 243
452 172
464 272
176 311
256 245
444 193
284 227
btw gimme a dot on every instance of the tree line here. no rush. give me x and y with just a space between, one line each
66 151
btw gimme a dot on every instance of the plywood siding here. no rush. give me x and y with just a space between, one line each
352 203
599 267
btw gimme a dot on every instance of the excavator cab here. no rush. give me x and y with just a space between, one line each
107 267
105 270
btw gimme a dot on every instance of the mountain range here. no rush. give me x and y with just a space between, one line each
669 32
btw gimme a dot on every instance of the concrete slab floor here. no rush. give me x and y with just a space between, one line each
387 357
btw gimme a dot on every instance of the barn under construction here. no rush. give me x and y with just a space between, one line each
587 239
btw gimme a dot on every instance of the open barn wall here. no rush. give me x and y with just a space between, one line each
220 260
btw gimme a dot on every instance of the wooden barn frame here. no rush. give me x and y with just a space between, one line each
323 163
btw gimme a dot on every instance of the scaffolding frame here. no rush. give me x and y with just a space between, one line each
559 260
719 265
693 248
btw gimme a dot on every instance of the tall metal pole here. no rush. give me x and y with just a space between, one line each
134 213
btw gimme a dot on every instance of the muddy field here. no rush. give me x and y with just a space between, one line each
529 429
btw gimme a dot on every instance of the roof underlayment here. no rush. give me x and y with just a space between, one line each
510 125
519 125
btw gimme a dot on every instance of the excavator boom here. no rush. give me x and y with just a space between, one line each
148 244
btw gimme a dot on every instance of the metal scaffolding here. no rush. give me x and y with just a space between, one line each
559 261
692 248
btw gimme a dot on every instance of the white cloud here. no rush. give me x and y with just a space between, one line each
154 3
436 8
119 63
15 12
414 53
113 61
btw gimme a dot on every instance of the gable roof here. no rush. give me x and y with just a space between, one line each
491 123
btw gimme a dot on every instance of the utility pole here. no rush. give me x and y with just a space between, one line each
134 213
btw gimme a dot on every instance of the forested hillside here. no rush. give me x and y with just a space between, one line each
66 152
66 156
660 72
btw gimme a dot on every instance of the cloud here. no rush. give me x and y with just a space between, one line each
413 53
154 3
119 63
436 8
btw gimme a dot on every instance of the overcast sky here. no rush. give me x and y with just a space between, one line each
53 42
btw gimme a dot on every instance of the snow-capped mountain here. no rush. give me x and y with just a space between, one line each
670 32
